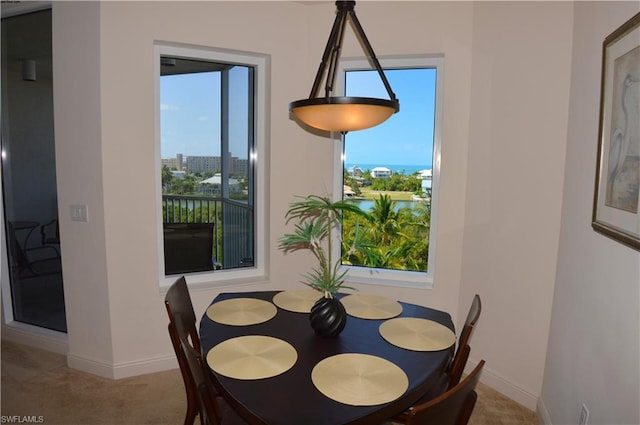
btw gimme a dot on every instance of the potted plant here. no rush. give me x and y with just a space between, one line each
317 218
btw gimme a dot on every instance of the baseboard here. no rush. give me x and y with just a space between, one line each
506 387
36 337
143 367
56 342
122 370
543 413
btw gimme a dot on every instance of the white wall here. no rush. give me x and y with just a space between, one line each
122 178
594 355
505 108
519 104
76 82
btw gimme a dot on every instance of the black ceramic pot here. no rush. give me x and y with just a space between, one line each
328 317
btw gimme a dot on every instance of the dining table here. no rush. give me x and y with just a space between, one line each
382 363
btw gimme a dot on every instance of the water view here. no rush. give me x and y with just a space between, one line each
367 204
407 170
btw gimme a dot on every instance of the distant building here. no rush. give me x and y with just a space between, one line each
239 166
355 171
178 174
212 185
381 173
204 164
427 181
172 163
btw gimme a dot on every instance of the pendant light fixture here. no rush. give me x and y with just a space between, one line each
342 113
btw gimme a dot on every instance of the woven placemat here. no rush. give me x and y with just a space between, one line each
241 311
417 334
367 306
299 301
252 357
359 379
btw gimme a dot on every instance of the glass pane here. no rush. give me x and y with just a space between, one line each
206 124
29 172
388 172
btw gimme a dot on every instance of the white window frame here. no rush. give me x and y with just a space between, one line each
258 157
384 277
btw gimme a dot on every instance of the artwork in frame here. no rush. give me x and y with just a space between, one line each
616 206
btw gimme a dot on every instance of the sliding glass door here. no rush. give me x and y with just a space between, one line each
34 269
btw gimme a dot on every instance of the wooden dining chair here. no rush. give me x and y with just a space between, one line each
205 395
461 355
453 372
454 407
211 407
202 397
178 303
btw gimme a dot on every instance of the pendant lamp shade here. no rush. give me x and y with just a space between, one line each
341 113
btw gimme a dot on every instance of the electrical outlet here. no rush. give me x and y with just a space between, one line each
584 415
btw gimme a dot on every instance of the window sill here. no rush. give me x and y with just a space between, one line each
389 278
216 279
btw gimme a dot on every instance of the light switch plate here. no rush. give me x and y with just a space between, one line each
79 213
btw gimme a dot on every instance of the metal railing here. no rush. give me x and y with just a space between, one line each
232 226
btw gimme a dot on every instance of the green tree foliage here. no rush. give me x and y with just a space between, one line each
397 182
316 218
351 181
391 238
167 177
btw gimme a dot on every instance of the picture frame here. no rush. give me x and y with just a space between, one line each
616 205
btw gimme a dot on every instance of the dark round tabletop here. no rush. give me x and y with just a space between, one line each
291 398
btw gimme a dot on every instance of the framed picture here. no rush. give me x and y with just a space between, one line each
616 206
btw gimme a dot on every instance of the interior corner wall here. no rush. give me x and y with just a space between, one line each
128 32
114 139
504 134
76 82
517 142
594 342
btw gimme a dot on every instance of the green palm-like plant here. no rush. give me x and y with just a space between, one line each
317 219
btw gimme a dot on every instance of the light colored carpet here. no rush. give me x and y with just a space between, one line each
38 383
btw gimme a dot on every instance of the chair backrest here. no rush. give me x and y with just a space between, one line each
451 408
17 256
462 353
178 301
46 261
188 248
178 304
208 408
50 232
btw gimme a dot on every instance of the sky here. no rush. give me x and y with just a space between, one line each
187 115
190 120
407 137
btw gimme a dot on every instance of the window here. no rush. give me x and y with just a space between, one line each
211 128
392 171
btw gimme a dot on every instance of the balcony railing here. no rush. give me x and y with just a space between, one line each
204 233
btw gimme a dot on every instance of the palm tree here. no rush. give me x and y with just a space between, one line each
166 178
385 223
317 218
391 239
